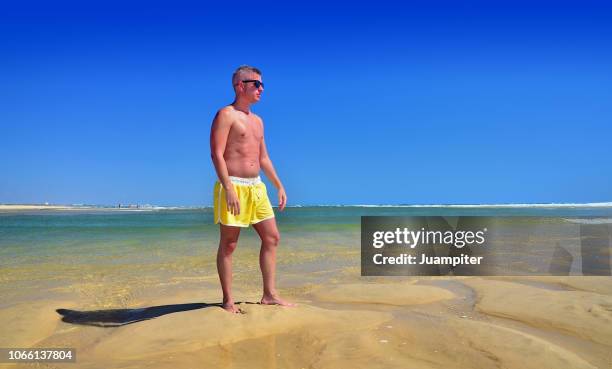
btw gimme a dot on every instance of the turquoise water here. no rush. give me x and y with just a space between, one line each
40 236
96 233
108 256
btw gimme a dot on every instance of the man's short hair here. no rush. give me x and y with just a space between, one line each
241 72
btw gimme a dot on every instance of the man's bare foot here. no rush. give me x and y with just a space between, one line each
275 300
231 308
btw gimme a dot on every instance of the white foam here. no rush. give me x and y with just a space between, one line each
590 221
537 205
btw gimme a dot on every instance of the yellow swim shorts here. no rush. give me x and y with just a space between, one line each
253 198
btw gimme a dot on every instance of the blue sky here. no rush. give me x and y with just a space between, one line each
380 103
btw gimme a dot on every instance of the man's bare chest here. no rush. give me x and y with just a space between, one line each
245 132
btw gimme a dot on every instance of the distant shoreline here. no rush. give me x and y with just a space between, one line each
9 208
28 207
53 207
36 207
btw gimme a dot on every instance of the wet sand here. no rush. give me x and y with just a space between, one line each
347 322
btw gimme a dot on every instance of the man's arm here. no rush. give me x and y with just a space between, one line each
219 133
266 165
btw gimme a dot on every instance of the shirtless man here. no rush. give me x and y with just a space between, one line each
238 151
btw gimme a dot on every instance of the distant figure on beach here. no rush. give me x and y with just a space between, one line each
238 152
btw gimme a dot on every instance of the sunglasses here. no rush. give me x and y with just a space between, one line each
256 83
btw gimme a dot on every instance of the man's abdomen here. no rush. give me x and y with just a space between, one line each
243 166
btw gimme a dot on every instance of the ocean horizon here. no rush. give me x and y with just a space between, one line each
489 205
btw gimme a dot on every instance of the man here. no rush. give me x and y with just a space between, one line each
238 151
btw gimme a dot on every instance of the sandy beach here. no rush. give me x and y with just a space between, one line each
416 322
5 207
20 208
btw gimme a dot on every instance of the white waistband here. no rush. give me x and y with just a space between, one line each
245 181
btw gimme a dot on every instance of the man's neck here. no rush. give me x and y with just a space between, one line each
242 105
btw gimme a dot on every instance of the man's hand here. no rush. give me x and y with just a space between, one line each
282 199
233 205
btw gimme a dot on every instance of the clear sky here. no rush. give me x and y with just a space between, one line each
374 103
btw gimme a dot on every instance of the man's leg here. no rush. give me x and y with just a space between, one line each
270 237
227 245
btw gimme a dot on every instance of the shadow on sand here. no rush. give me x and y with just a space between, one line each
119 317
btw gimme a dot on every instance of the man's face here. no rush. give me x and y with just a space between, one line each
249 89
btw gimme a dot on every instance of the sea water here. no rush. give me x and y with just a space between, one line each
107 257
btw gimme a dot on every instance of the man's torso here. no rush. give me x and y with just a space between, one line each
243 144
